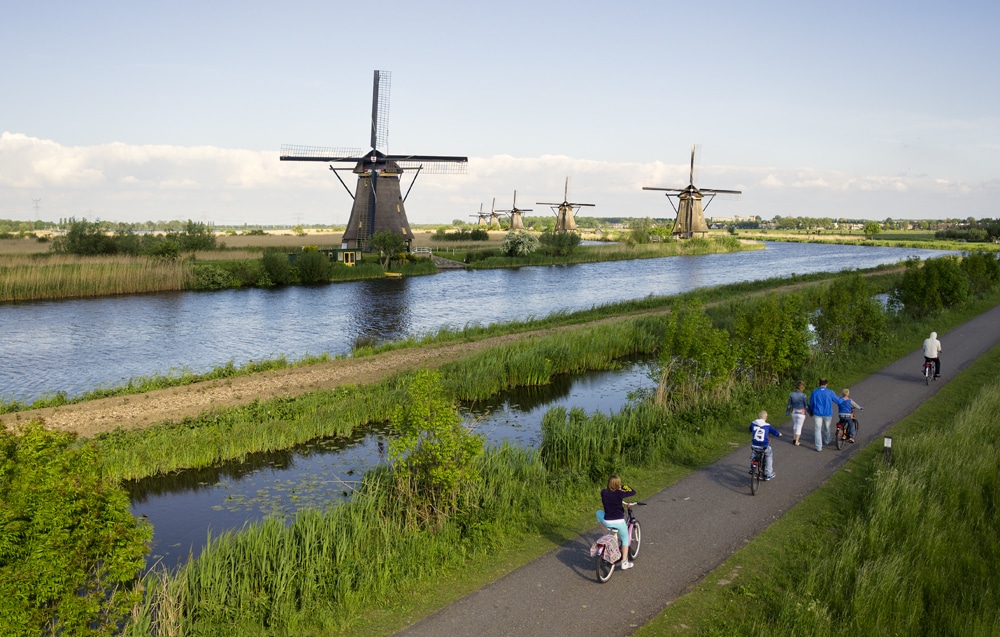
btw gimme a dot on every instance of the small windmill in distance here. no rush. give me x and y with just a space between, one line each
482 216
516 220
690 213
493 216
565 211
378 202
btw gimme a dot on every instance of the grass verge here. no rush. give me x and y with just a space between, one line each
915 545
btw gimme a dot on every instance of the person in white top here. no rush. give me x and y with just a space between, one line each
932 352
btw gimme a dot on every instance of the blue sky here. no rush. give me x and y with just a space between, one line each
157 111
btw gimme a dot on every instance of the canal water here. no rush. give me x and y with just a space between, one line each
186 506
73 346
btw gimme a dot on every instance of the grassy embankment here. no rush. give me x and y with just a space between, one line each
908 548
331 593
469 332
45 276
892 239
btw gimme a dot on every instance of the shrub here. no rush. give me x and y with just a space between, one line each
982 269
70 549
849 314
518 244
277 267
940 283
559 244
212 277
314 267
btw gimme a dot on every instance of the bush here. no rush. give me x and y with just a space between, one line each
558 244
940 283
983 271
277 267
519 244
850 314
70 549
313 267
212 277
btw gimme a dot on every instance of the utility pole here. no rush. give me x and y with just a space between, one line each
37 206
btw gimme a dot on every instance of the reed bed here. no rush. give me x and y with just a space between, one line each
25 278
326 569
362 556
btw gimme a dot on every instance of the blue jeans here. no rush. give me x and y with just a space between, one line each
622 531
821 431
848 424
768 460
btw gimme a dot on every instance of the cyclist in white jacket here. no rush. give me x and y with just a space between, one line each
932 352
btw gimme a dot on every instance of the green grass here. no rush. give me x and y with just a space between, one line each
501 516
916 542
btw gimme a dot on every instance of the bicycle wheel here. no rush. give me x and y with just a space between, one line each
841 434
927 374
755 475
635 540
857 428
603 567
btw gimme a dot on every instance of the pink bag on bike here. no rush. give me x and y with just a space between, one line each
612 553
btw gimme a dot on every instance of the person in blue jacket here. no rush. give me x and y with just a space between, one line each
613 513
846 407
761 439
821 409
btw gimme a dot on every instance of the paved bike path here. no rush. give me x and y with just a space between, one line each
692 526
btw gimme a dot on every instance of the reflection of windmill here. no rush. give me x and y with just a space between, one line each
565 211
690 214
378 203
516 221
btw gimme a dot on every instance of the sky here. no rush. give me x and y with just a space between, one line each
149 111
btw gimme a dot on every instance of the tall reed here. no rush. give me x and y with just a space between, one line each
24 278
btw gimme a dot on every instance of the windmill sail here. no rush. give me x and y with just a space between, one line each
378 200
689 208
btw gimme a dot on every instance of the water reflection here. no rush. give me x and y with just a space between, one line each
81 344
186 506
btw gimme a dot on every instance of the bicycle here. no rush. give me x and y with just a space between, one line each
757 462
606 551
843 433
929 374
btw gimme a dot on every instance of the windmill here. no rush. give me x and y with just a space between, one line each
690 214
378 202
565 211
516 221
482 216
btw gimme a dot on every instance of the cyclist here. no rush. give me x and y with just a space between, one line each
846 407
932 352
762 431
613 513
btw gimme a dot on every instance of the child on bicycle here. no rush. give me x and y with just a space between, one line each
761 440
846 407
613 513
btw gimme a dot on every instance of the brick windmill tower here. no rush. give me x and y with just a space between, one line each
378 199
689 209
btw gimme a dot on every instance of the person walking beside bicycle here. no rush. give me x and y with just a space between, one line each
613 514
798 403
846 407
932 352
761 441
821 409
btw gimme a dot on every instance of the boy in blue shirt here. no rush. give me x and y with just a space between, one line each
762 432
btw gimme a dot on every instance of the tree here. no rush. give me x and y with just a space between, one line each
933 286
871 229
849 314
70 548
773 337
559 243
518 244
433 454
388 245
696 360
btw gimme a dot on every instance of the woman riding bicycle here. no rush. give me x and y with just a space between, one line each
613 514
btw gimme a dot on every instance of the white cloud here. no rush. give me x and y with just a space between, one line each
228 186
